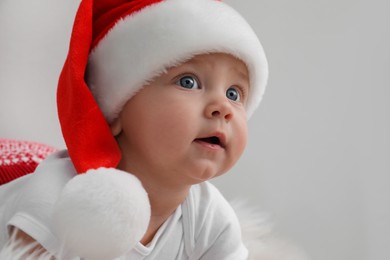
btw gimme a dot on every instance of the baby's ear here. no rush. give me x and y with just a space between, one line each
116 127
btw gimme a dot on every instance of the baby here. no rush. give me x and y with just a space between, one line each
153 102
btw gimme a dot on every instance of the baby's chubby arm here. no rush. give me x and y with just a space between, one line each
26 215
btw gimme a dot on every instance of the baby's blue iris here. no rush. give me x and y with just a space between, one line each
233 94
188 82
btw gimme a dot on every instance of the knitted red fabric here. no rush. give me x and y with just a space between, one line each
18 158
86 133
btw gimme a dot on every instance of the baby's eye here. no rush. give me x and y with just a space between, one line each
233 94
189 82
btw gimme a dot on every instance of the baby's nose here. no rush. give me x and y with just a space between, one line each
219 108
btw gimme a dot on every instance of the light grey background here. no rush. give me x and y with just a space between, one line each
319 154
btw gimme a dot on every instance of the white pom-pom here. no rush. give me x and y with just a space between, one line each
101 214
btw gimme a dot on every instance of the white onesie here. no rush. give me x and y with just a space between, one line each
203 227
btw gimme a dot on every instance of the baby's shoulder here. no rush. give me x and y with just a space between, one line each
205 196
205 205
209 221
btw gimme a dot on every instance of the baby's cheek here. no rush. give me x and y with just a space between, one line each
237 149
242 136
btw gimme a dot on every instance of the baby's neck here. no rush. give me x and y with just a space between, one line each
165 195
163 201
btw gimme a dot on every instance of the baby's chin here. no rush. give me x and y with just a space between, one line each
205 175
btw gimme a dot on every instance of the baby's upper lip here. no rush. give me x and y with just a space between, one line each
218 137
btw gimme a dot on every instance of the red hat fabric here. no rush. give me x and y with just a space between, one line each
79 115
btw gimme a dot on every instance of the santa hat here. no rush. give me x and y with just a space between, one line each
116 48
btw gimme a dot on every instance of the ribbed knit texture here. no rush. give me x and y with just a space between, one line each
18 158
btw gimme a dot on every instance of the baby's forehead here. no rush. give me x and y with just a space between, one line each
212 61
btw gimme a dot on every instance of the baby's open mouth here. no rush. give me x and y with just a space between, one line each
211 140
214 140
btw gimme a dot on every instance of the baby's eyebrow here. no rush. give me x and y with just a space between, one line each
197 62
243 75
194 61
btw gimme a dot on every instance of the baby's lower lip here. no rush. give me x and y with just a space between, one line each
208 145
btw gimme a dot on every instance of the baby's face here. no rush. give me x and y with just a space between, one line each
189 124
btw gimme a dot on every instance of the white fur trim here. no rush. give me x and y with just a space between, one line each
101 214
144 44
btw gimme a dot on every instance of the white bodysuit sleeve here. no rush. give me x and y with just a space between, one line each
32 208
